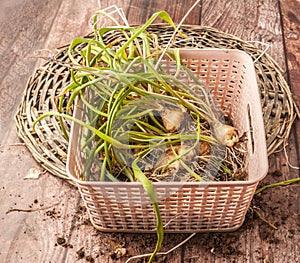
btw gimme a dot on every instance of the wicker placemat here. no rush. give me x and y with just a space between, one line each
49 147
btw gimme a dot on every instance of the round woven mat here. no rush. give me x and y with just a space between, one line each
49 147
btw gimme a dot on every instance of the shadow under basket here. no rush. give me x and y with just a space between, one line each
187 206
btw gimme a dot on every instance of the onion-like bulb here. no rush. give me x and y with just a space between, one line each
225 134
172 119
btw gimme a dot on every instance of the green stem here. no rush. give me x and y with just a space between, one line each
283 183
148 186
102 135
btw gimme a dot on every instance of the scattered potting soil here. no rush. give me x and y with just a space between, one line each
53 213
61 241
230 246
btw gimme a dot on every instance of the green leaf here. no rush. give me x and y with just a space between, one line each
148 186
102 135
136 33
75 42
283 183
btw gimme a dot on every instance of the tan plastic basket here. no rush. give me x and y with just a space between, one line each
193 206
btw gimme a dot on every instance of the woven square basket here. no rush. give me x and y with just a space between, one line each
187 206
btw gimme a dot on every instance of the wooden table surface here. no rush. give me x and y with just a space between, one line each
56 227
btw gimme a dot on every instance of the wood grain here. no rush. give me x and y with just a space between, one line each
37 236
20 37
139 11
176 9
72 20
257 20
290 18
291 21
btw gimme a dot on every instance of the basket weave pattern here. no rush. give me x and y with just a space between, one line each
186 207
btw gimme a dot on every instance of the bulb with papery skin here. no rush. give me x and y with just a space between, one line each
172 119
225 134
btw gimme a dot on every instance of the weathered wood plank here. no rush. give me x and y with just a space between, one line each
20 37
291 22
140 11
73 20
250 20
63 232
289 199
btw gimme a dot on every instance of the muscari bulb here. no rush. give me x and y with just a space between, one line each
225 134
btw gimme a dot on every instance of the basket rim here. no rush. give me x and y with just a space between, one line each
263 147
